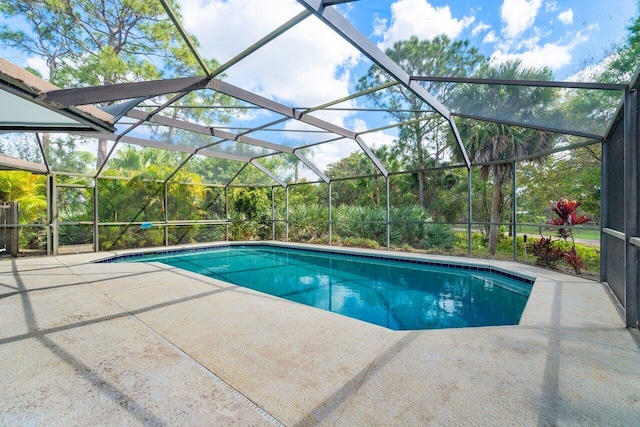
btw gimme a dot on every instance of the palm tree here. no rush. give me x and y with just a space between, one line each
488 142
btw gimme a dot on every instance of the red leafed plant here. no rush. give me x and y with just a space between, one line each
573 259
566 212
544 251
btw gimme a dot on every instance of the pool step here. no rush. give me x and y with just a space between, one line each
515 287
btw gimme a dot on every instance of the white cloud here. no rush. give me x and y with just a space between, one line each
566 17
306 66
490 38
379 26
554 56
518 15
551 6
480 27
419 18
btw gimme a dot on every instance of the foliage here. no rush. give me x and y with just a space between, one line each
308 222
437 236
575 172
361 222
241 228
546 253
627 58
574 260
253 203
360 242
589 255
566 212
29 191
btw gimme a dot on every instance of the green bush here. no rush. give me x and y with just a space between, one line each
360 242
361 222
308 222
437 236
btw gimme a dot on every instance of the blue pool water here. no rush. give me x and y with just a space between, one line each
389 293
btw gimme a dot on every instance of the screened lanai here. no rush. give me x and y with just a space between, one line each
159 161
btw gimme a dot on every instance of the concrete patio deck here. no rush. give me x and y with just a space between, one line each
131 344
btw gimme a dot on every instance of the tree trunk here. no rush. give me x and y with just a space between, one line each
496 208
46 146
102 152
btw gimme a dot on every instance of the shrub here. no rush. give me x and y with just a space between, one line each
546 253
308 222
437 236
360 242
361 222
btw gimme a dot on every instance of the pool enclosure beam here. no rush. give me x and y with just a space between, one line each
185 36
286 207
631 205
330 217
121 91
267 172
166 146
96 218
347 31
205 130
311 166
24 165
532 83
43 153
276 107
387 180
514 204
469 210
529 126
273 213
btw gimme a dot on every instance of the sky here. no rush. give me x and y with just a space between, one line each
310 65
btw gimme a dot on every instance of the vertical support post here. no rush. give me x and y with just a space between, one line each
286 236
226 211
96 230
604 222
273 213
12 241
330 217
54 216
514 211
387 179
49 214
166 213
469 211
631 206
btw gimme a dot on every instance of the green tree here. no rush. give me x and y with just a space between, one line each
421 139
488 143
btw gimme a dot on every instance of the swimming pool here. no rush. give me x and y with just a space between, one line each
400 294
